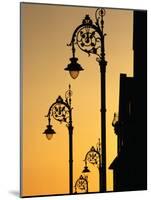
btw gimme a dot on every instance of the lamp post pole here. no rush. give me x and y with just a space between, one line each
89 37
70 129
62 111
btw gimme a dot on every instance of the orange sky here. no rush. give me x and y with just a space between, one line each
45 31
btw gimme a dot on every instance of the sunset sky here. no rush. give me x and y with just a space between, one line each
45 32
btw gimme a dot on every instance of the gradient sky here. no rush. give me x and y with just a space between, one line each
45 32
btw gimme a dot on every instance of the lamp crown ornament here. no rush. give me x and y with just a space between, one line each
87 20
59 99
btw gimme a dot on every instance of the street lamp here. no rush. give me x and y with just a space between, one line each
61 111
93 156
49 130
81 184
74 68
89 37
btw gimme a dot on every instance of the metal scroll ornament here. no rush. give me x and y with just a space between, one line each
88 36
88 40
61 109
60 112
93 157
81 185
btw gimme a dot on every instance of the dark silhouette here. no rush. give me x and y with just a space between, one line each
90 38
81 184
93 156
130 165
62 111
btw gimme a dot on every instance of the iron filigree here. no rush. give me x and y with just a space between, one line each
88 40
93 156
60 112
68 93
89 36
81 185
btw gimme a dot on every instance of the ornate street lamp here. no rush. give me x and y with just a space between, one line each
49 130
93 157
74 68
81 185
89 37
61 111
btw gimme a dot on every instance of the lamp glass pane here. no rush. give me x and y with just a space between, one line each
74 74
49 136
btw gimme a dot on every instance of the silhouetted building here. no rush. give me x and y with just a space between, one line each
130 165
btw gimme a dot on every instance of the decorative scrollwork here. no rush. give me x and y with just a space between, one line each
93 157
88 40
68 93
89 36
81 184
60 109
100 12
60 112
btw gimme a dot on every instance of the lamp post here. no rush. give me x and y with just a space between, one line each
93 156
81 184
89 37
61 111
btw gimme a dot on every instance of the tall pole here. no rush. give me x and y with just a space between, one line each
103 64
103 125
70 128
100 165
89 37
100 184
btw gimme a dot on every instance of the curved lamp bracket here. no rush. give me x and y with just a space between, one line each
93 157
88 36
60 110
